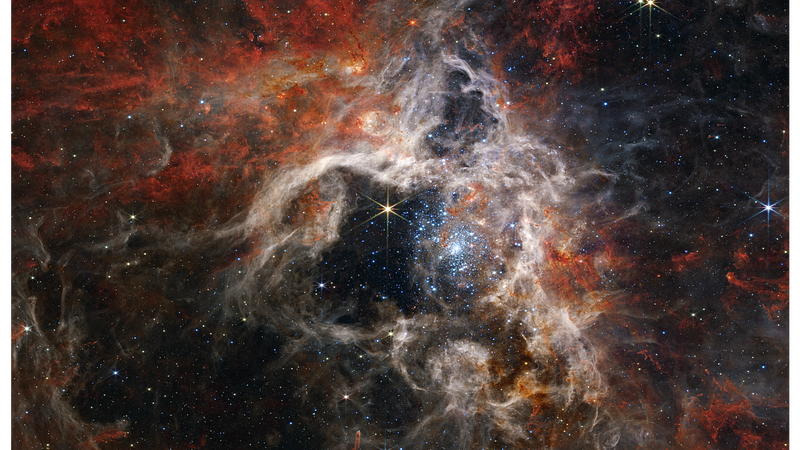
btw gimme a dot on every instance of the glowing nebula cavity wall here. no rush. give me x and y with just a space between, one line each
399 224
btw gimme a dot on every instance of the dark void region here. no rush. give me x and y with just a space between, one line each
371 260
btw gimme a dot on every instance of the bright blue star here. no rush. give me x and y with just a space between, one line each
768 207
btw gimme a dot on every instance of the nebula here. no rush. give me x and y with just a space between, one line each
347 224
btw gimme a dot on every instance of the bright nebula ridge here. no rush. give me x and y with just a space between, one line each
344 224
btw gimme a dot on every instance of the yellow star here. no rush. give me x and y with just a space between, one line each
389 209
386 208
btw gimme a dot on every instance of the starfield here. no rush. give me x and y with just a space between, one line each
339 224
